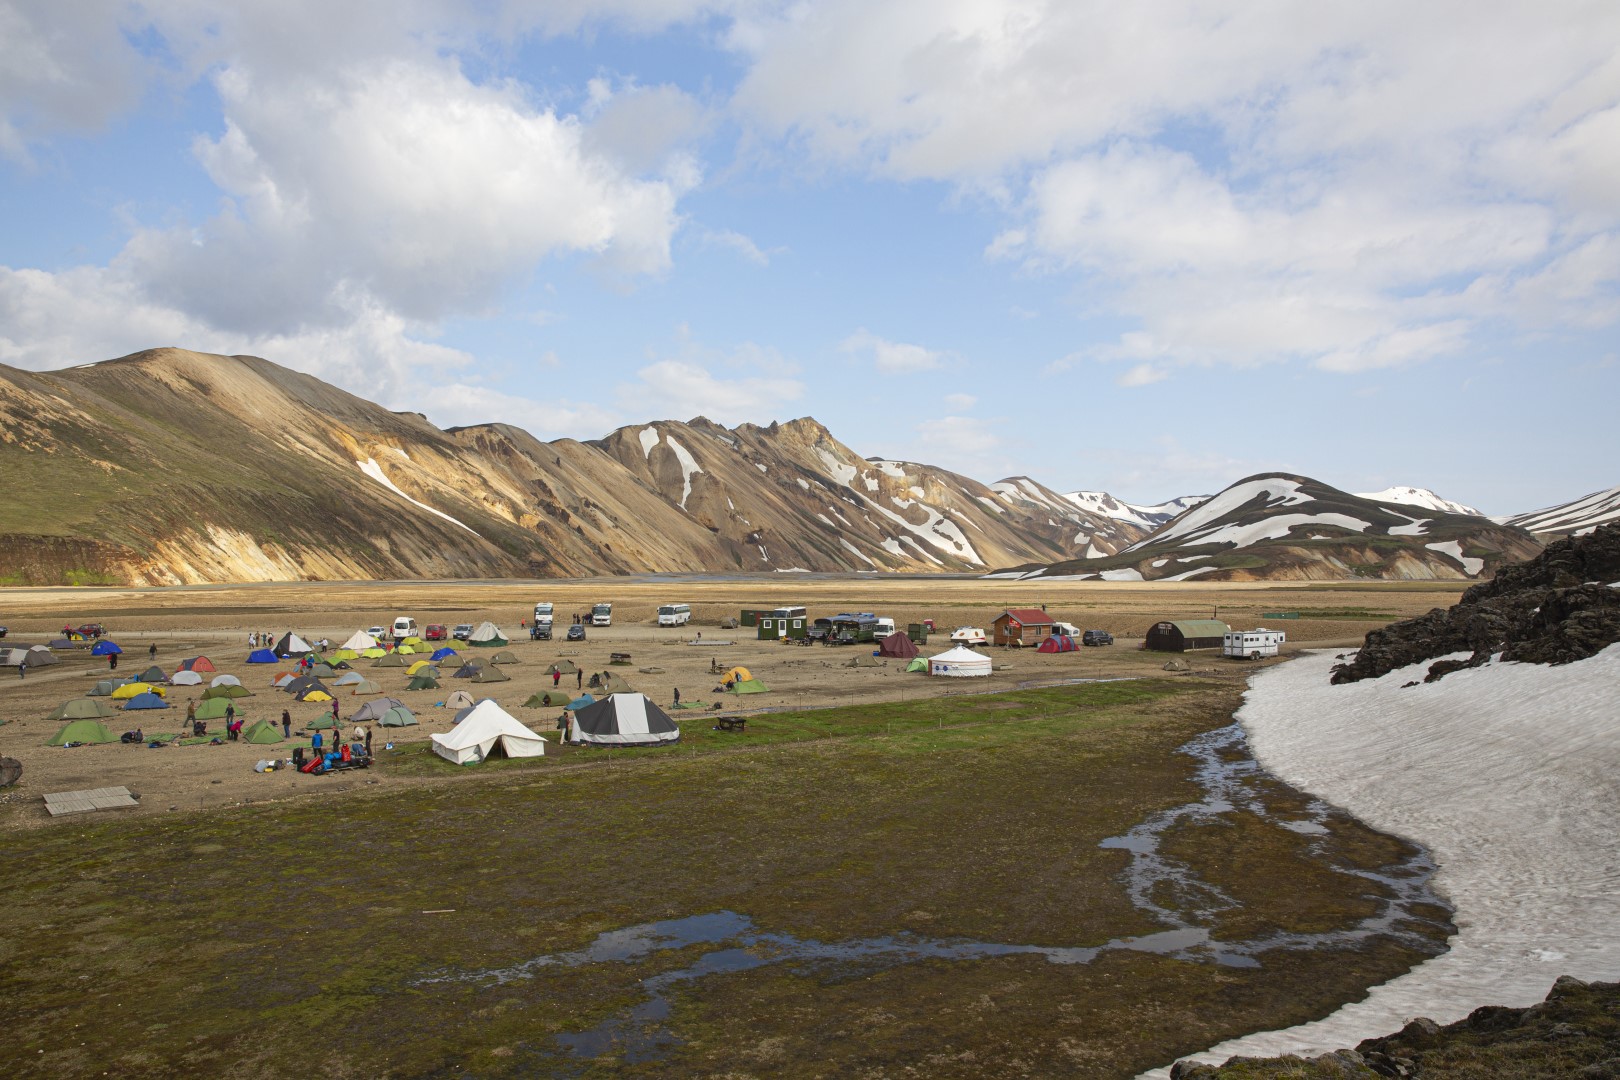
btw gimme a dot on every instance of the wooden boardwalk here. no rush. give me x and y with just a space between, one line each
81 802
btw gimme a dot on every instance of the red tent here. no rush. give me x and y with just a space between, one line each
1056 643
198 664
898 645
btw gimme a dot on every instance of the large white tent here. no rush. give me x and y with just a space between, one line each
360 640
487 636
961 662
623 720
481 731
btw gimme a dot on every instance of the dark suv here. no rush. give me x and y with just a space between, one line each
1096 637
576 633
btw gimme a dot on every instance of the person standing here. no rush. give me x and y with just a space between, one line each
191 714
334 712
286 725
22 669
112 661
556 677
677 697
579 679
151 652
315 744
230 721
368 741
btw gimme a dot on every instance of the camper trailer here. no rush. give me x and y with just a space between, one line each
602 615
674 614
1253 644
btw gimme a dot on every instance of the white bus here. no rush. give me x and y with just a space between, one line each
602 615
674 614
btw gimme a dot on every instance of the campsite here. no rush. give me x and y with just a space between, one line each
850 807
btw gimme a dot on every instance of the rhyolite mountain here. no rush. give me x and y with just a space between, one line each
1279 526
169 466
1573 518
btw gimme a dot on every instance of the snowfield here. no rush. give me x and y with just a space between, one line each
1510 775
373 470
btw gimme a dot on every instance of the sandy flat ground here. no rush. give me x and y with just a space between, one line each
215 621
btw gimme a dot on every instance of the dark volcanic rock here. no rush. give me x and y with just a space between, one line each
1554 609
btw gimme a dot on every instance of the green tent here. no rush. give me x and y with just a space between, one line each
423 682
506 657
261 731
562 667
322 671
748 686
212 708
82 708
918 664
83 731
398 716
549 699
365 686
153 674
393 659
226 690
491 674
323 722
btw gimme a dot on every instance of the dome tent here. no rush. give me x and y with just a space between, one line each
440 654
460 699
82 731
398 716
196 663
83 708
212 709
623 720
484 730
185 678
105 648
375 710
261 731
145 701
365 686
1056 643
261 656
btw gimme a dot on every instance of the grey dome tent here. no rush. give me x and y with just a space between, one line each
623 720
376 709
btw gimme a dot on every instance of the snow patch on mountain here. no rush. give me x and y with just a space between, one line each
1576 517
1274 490
1142 516
1416 496
373 470
649 439
689 467
1471 567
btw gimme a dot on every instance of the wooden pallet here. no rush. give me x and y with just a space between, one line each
81 802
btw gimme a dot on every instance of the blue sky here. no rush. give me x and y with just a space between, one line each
1147 249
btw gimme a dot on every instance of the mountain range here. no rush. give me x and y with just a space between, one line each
169 466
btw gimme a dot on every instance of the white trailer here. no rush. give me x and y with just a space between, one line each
1253 644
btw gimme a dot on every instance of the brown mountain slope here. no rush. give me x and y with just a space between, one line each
170 466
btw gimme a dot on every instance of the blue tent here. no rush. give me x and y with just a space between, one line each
147 700
580 702
261 656
104 648
444 652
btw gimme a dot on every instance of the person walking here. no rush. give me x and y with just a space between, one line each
112 661
677 697
334 711
22 669
556 677
286 725
151 652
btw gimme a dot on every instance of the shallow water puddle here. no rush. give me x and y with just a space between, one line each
1157 884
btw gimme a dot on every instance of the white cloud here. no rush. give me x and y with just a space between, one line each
890 357
1141 375
63 67
736 242
961 402
460 404
751 385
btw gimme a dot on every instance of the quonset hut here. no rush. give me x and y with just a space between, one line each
1185 635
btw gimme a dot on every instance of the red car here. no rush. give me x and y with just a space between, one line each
436 632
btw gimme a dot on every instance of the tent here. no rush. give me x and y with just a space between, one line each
440 654
153 674
38 656
405 650
365 686
314 695
393 659
418 666
608 683
185 678
338 656
292 645
81 708
349 678
147 700
225 680
360 640
373 653
323 722
261 656
549 699
104 648
322 671
487 728
1056 643
898 646
623 720
467 670
423 682
562 667
459 700
736 674
213 708
491 674
374 710
283 680
413 642
863 660
226 691
302 683
74 641
488 636
197 663
398 716
919 664
130 689
580 702
106 686
506 657
261 731
82 731
961 662
748 686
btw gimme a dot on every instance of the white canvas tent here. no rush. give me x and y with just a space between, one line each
485 728
961 662
623 720
488 635
360 640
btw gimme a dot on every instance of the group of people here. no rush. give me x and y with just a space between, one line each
579 678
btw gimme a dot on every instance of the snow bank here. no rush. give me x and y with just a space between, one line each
373 470
1471 567
1510 775
689 467
649 439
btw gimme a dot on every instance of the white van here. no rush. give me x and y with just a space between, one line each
404 627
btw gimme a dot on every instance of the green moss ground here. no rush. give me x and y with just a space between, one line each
285 940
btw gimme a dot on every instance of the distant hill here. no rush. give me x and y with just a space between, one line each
1281 526
1416 496
1143 517
170 466
1574 518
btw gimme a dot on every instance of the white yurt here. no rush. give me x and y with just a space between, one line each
961 661
482 731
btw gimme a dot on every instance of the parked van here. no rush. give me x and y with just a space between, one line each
404 627
1252 644
884 627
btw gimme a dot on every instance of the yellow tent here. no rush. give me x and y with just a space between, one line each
405 649
414 642
343 654
737 674
373 652
129 690
418 666
316 695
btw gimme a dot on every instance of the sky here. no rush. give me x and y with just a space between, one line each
1148 248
